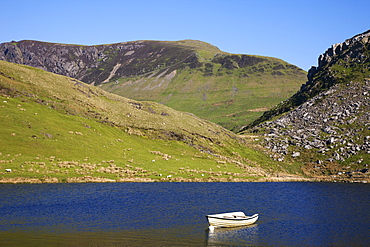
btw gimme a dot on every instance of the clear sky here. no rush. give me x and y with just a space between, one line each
296 31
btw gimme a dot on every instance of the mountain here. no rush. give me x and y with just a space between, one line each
188 75
326 124
56 128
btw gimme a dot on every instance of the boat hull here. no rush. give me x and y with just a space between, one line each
233 219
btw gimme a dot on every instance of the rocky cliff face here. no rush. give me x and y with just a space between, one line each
100 63
329 127
341 63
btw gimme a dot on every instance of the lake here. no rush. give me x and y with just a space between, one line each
173 214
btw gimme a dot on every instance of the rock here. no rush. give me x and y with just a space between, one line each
329 130
331 140
311 73
50 180
365 170
307 147
296 154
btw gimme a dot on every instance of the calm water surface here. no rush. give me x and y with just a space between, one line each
173 214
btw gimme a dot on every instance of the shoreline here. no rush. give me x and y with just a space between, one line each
88 179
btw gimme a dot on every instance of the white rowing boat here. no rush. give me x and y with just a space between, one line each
232 219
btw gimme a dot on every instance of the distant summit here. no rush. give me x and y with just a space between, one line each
188 75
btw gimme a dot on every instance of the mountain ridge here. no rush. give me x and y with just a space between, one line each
187 75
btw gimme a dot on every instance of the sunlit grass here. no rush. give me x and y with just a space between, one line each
56 127
227 97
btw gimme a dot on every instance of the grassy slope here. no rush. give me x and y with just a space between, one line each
56 127
230 97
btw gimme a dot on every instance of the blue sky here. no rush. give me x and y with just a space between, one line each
293 30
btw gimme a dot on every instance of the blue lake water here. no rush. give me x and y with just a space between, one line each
173 214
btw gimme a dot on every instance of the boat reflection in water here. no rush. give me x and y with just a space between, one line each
239 236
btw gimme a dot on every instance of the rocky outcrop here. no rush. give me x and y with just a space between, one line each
328 121
335 123
339 64
352 50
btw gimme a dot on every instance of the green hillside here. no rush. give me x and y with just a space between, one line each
56 128
231 90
